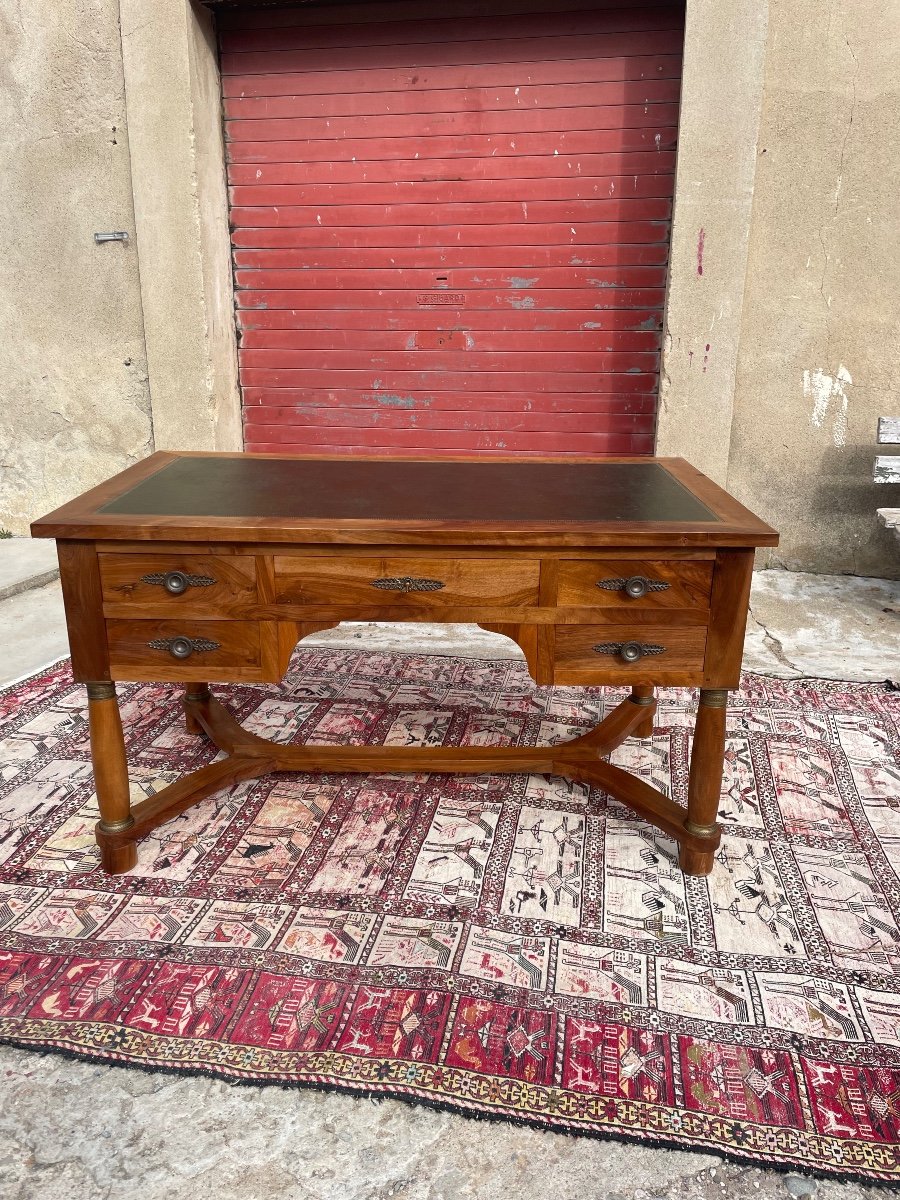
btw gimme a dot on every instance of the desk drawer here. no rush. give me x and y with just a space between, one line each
184 650
628 653
190 584
621 583
432 583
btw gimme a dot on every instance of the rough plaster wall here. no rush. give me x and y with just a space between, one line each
181 214
74 405
724 53
819 357
215 235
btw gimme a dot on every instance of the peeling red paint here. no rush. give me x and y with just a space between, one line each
701 242
530 241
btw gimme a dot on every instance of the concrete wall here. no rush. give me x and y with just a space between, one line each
724 54
819 353
109 120
174 108
74 400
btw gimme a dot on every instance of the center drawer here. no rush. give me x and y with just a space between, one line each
408 582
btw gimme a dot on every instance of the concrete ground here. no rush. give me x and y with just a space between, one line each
75 1131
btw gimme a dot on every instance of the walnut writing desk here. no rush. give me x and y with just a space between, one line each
199 567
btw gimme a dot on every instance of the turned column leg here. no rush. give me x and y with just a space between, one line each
705 780
110 778
642 693
194 691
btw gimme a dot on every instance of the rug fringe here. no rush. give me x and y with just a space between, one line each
445 1106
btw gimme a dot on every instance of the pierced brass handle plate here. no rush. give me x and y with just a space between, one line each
405 583
183 647
634 586
177 583
629 652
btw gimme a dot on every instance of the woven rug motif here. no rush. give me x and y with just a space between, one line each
515 946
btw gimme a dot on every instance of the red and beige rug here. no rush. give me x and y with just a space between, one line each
509 946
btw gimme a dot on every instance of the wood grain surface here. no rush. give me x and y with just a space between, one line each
688 583
576 660
469 582
125 588
237 657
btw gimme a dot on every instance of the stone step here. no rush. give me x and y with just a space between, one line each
26 563
890 519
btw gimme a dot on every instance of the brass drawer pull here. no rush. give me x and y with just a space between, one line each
635 586
629 651
183 647
405 583
177 583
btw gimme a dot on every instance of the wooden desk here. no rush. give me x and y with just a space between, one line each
200 567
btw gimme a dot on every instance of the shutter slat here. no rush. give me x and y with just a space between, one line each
451 234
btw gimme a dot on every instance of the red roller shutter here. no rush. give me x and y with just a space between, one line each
451 233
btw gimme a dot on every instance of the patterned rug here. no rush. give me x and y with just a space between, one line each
509 946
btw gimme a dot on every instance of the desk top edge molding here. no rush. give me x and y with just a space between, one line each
80 519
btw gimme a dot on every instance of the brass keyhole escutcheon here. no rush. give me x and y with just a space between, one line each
635 586
405 583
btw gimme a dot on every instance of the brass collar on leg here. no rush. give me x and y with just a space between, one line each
115 826
101 691
703 831
714 697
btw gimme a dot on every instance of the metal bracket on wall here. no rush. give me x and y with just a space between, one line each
119 236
